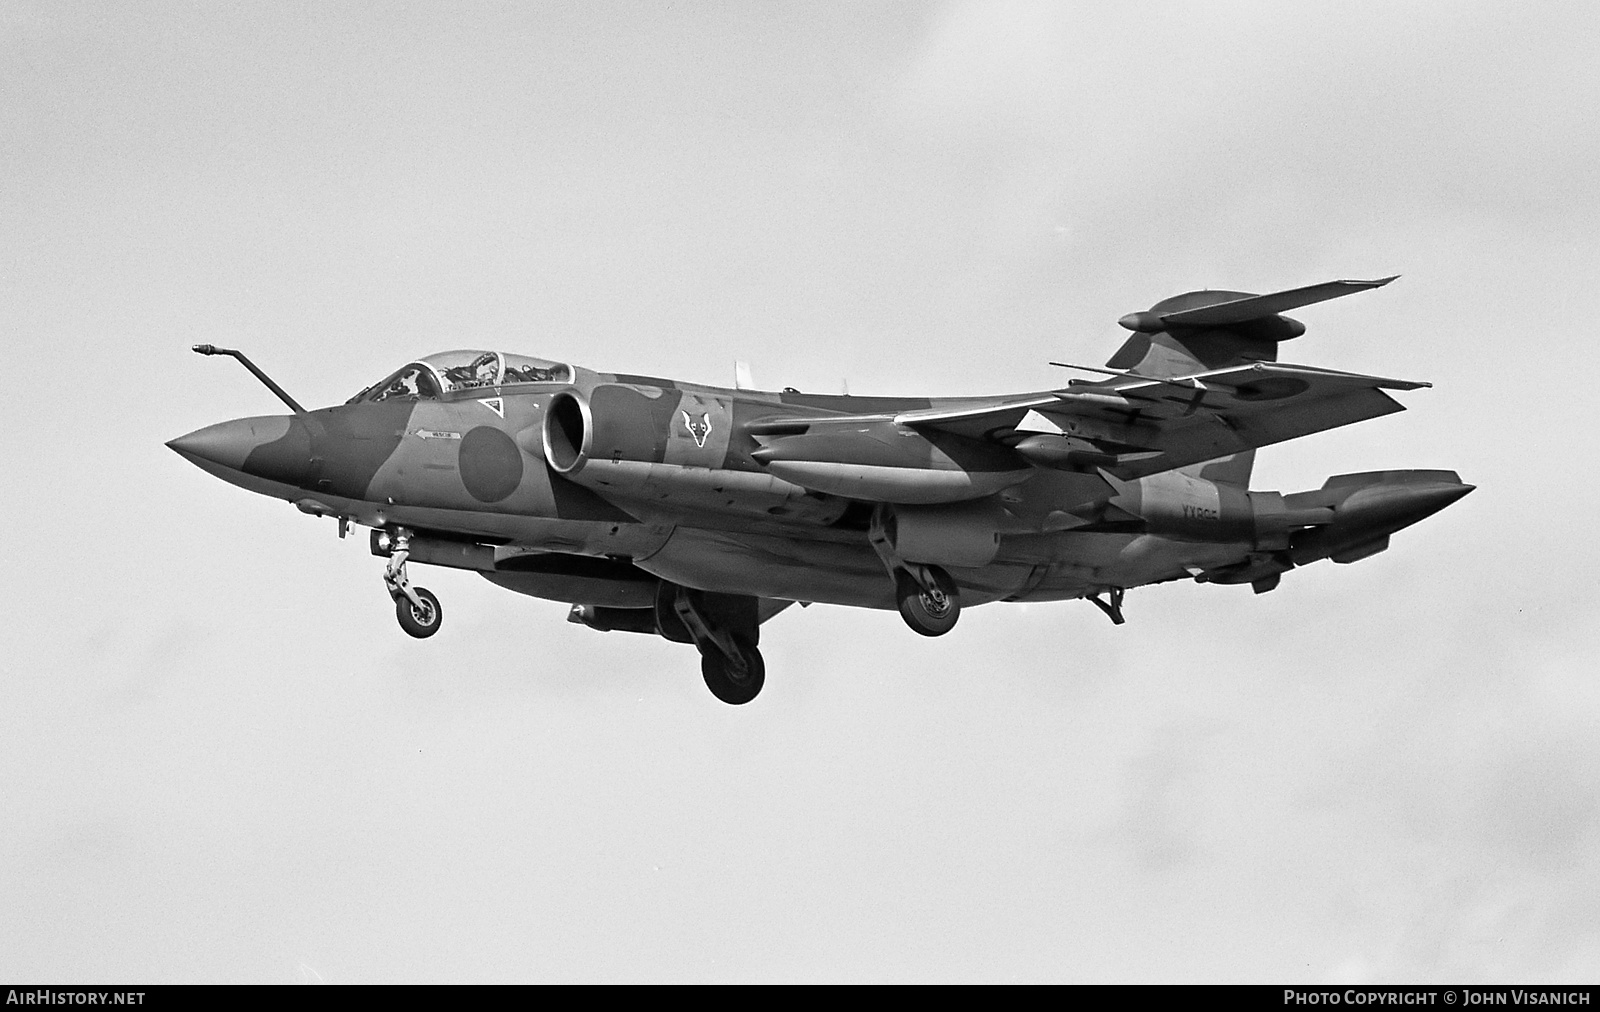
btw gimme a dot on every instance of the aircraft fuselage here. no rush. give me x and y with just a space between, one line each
697 512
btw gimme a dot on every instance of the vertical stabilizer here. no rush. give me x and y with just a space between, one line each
1160 348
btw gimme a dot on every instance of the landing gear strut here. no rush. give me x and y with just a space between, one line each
416 608
725 629
1113 608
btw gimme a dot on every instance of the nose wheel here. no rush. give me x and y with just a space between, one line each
420 619
416 608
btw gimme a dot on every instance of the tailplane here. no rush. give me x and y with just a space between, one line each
1198 331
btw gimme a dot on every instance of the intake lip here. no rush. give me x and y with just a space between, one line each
568 432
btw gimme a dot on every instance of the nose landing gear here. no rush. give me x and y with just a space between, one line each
416 608
419 618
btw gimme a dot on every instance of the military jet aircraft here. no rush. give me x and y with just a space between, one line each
697 513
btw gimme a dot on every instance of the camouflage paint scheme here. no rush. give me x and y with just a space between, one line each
596 489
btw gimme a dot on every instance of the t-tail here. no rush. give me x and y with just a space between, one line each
1199 331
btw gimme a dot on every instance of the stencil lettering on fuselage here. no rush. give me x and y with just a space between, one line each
700 429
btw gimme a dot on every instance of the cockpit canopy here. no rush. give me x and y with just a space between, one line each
452 371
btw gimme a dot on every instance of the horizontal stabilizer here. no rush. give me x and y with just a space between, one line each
1251 308
1199 331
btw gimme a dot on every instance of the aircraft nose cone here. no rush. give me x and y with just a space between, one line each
230 443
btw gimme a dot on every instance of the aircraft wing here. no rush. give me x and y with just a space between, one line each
1131 425
1251 382
1247 406
1170 423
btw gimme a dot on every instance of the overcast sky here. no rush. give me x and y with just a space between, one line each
221 760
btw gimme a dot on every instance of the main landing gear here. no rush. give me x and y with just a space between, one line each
925 594
928 599
734 678
725 628
416 608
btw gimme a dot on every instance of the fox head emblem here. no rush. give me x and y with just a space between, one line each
699 430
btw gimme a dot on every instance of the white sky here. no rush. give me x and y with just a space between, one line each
220 760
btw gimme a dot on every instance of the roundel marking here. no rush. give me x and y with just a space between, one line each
491 464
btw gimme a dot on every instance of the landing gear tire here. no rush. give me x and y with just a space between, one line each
931 613
419 622
734 681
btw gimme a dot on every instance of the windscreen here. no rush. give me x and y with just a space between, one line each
413 383
454 371
470 370
522 369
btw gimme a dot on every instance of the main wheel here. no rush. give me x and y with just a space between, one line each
929 613
734 681
419 622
